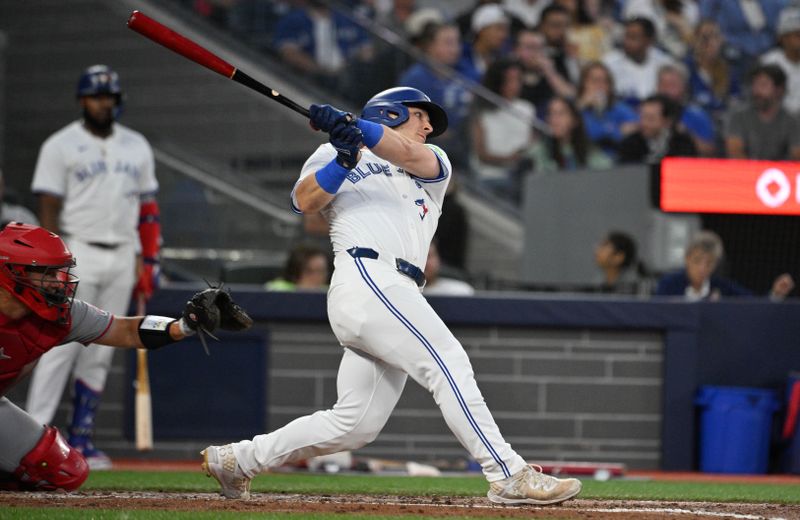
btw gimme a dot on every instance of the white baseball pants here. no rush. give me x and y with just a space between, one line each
390 332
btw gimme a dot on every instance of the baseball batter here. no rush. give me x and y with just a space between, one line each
96 184
38 312
383 202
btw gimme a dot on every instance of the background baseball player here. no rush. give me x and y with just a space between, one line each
96 185
383 204
37 313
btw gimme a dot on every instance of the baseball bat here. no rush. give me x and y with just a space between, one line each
176 42
144 401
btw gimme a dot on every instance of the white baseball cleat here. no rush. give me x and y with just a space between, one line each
220 462
531 486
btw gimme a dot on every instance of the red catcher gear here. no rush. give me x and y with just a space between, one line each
150 237
34 267
24 341
52 464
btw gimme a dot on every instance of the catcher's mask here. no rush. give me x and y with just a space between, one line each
35 267
390 108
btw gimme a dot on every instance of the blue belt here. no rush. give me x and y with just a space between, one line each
406 268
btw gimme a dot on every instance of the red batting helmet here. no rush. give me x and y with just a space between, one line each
34 267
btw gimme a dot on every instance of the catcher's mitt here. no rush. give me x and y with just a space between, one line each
214 308
232 317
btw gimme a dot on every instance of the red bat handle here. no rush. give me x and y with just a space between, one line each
165 36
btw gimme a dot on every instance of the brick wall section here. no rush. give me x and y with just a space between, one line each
577 395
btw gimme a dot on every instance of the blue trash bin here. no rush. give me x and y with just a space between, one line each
735 428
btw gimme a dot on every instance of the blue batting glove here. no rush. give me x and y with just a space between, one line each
347 139
325 117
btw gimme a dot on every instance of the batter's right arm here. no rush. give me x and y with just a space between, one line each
311 197
49 211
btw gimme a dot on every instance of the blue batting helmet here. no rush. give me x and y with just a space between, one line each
390 108
99 79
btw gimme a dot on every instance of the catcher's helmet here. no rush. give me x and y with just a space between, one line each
34 267
390 108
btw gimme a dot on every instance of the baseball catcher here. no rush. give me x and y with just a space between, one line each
37 313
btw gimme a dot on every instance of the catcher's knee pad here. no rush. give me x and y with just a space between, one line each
52 464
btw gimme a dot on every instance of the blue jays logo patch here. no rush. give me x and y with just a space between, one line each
423 207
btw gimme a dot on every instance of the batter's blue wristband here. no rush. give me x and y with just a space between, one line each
371 132
331 176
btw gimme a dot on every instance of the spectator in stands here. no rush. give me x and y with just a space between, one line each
567 148
554 24
787 56
763 129
635 66
616 258
658 136
395 14
540 79
697 281
525 14
748 26
500 135
588 37
607 119
391 61
673 82
436 283
712 81
490 30
307 268
320 41
441 45
674 20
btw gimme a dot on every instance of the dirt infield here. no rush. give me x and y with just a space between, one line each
396 505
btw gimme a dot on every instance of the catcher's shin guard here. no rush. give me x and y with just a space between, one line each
51 465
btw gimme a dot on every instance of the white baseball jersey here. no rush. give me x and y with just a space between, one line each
382 207
100 180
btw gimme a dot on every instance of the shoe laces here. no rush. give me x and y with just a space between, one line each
533 477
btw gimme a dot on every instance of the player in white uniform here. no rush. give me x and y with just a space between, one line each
383 203
96 185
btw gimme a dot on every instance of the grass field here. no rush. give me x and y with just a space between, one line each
193 486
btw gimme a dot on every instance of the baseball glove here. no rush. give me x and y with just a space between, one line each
201 311
232 317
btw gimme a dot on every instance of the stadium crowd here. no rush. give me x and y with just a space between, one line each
574 84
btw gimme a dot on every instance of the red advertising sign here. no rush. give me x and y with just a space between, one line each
730 186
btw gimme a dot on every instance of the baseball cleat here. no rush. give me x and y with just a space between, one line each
220 462
531 486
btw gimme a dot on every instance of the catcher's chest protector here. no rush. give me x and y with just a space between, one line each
23 341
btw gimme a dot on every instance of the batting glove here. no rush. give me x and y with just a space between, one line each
325 117
347 139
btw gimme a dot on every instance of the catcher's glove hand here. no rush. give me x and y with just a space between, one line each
232 317
201 312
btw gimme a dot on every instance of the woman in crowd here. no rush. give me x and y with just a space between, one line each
500 135
712 81
607 119
568 147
